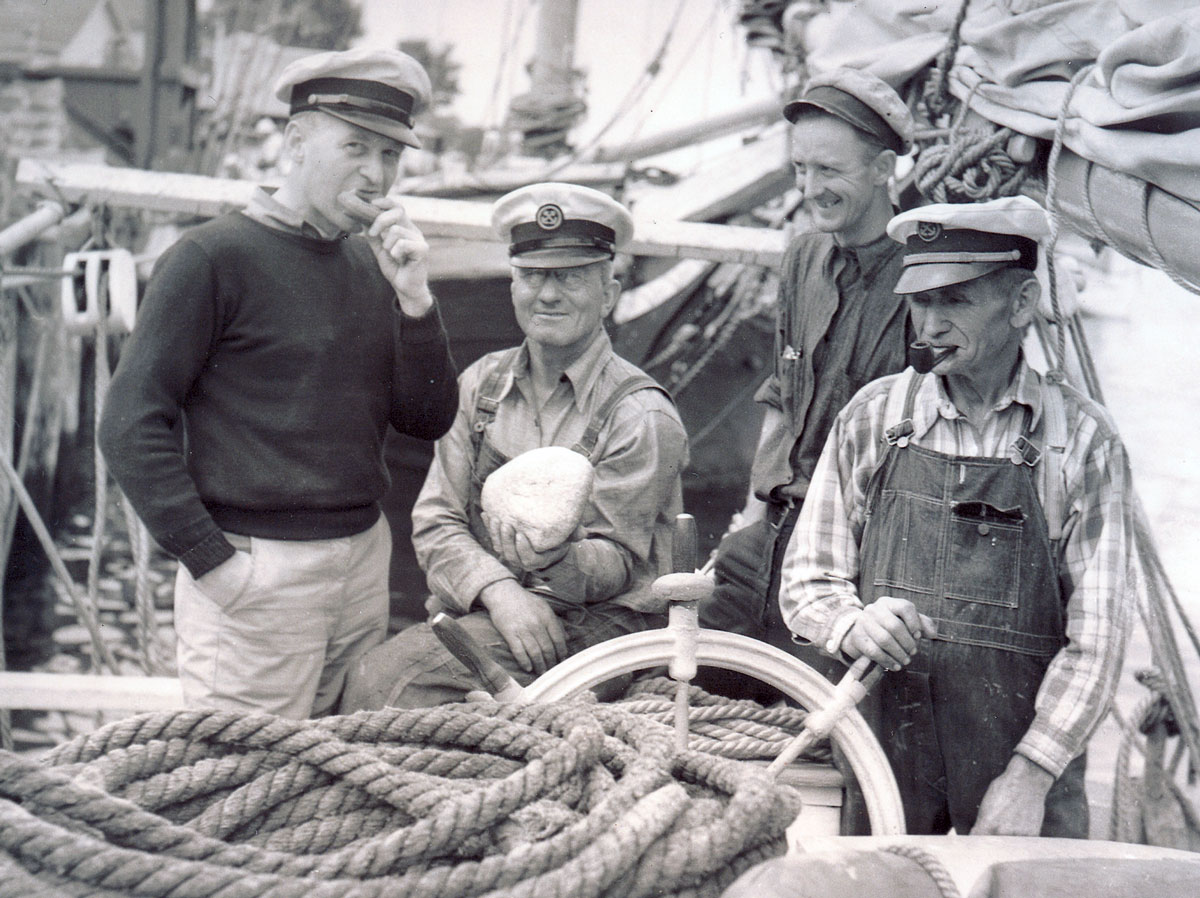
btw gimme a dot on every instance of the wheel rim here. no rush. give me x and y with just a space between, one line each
732 651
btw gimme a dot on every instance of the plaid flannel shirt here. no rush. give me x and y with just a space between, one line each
818 596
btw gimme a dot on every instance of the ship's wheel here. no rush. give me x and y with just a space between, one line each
731 651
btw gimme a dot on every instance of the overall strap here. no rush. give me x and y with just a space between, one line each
587 442
488 398
901 400
1047 456
1054 430
897 418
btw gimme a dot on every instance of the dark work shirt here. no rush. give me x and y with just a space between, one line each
839 326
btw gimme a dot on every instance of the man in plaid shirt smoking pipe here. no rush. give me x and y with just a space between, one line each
968 528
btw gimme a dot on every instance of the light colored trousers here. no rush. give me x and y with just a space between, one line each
281 640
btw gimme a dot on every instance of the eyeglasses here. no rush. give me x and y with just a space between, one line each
568 278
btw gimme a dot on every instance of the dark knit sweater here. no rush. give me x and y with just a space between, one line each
255 393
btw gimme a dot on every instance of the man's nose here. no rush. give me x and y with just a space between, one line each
372 168
931 325
548 291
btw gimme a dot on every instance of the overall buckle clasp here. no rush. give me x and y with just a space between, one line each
1024 452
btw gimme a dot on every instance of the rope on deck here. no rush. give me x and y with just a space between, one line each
930 863
560 799
743 729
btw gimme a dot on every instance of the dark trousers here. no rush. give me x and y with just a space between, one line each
414 670
746 601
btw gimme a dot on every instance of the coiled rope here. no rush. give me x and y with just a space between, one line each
973 164
930 863
558 799
743 729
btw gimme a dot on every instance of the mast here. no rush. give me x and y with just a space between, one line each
554 103
552 70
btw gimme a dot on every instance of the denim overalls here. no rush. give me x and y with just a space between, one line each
965 539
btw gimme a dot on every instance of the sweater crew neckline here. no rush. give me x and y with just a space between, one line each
309 241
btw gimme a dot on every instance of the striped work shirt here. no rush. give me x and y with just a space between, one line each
818 596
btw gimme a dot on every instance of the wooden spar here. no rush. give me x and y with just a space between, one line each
88 692
502 180
761 113
16 235
205 197
747 177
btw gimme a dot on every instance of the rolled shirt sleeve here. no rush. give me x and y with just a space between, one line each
1079 684
819 598
457 567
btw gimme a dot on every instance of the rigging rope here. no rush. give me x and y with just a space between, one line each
1171 684
974 163
510 41
665 82
559 799
1055 219
946 173
937 96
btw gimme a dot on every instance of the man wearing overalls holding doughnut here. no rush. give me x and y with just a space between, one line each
968 528
563 386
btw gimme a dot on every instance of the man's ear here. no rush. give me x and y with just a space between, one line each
1025 303
612 292
293 141
883 167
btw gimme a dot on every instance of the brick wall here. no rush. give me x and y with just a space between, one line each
33 119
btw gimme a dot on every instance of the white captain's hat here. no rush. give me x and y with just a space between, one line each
949 243
559 225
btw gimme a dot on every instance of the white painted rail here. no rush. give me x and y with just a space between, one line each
88 692
464 219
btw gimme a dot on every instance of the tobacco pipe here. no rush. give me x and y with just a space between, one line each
924 358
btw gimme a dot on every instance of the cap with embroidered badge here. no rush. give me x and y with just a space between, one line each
951 243
859 99
559 225
376 89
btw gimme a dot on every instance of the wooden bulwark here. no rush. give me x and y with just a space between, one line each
203 196
88 692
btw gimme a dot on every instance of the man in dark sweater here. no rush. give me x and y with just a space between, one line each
247 416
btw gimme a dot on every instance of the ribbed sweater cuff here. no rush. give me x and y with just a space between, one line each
207 554
426 329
